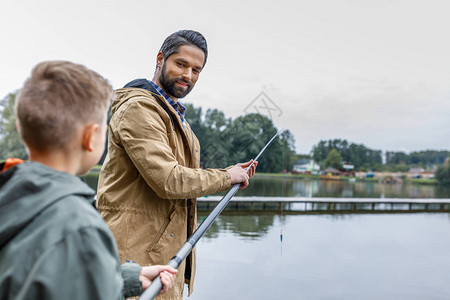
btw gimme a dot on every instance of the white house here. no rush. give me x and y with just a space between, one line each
306 165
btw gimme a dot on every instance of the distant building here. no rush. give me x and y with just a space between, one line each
347 166
416 170
347 169
331 171
306 166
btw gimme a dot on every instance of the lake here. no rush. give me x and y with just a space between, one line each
326 256
379 256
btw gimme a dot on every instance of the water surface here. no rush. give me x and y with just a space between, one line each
383 256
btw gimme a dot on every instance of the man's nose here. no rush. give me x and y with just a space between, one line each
187 74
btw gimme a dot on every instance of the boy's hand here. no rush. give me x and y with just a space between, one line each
238 174
166 273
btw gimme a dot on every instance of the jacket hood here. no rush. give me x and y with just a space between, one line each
143 88
29 188
137 87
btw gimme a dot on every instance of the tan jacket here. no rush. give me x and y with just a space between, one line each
150 179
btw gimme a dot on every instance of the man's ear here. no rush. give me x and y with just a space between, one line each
159 59
89 137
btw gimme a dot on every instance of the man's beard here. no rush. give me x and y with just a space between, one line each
168 85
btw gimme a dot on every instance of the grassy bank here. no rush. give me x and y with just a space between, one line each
343 178
423 181
317 177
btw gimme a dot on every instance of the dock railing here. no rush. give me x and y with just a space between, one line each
308 205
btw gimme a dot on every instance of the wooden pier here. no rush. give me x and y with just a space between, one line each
311 205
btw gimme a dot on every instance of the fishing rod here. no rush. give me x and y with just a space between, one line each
155 287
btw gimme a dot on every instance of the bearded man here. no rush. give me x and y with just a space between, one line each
151 177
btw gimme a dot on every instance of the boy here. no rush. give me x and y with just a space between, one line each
53 243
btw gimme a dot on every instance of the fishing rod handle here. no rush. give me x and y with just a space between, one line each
155 287
153 290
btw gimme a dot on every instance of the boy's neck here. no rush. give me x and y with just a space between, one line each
59 160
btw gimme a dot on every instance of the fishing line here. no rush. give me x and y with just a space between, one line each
281 203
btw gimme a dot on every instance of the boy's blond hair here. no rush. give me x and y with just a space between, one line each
59 98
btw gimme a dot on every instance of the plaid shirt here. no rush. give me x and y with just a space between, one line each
179 108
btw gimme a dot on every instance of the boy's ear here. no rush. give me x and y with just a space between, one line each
18 126
88 141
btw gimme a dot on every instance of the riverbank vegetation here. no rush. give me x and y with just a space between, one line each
386 179
365 159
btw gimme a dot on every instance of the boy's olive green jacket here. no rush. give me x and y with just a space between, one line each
150 179
53 243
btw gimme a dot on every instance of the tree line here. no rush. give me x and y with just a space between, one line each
356 154
426 159
364 158
225 141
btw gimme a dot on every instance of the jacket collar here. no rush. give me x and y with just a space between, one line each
143 83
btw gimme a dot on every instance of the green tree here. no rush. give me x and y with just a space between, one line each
334 160
357 154
397 158
428 159
442 174
193 116
215 119
247 136
288 145
225 141
10 143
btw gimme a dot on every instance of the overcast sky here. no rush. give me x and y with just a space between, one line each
372 72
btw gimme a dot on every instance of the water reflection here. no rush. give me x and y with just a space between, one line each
248 227
293 187
256 224
252 227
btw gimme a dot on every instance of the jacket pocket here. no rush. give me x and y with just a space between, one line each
157 240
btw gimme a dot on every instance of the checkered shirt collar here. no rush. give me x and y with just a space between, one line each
179 108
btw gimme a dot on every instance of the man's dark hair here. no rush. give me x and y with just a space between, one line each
184 37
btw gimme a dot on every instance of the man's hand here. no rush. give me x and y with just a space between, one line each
238 174
166 273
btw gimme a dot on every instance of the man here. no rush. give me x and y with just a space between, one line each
151 175
53 243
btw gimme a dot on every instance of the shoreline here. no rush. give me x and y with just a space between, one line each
386 180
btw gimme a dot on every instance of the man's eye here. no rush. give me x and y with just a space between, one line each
179 64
